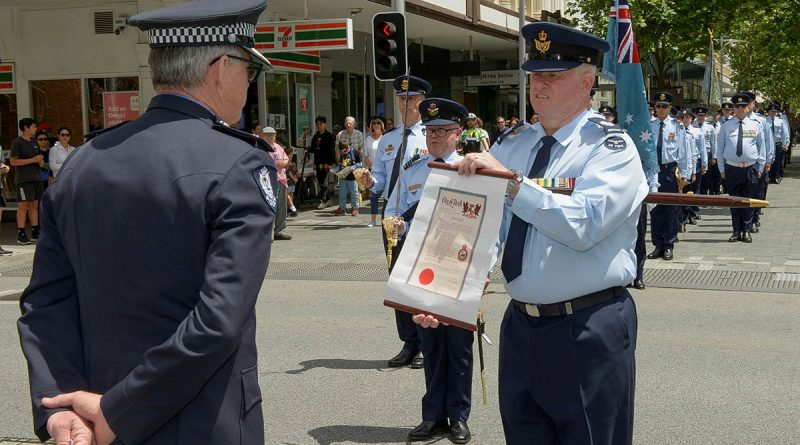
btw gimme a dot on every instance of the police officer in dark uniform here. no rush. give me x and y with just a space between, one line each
139 318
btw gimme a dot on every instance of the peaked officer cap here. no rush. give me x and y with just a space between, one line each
438 111
556 47
663 98
727 105
750 95
204 23
741 98
605 109
774 106
701 110
411 86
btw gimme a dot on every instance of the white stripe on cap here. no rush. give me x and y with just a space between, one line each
201 35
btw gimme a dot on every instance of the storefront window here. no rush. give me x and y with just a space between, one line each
111 101
277 106
58 103
302 108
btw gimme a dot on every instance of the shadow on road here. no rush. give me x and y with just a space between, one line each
329 435
338 363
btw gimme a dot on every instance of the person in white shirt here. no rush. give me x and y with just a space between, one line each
60 151
370 148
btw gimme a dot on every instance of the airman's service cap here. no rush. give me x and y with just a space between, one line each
606 109
204 23
438 111
741 98
555 47
701 110
411 86
663 98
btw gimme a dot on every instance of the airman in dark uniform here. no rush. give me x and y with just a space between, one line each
139 319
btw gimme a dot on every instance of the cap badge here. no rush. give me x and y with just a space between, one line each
404 85
232 38
433 109
662 96
543 45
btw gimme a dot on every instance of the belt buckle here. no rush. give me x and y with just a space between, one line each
532 310
743 164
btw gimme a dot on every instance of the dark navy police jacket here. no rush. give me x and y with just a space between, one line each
155 242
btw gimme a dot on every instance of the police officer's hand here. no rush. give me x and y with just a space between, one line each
713 162
399 226
767 167
722 175
86 405
366 180
702 171
694 177
473 161
68 428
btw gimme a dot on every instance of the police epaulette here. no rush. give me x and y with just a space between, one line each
515 130
251 139
414 159
93 134
607 126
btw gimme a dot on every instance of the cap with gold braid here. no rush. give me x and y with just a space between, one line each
555 47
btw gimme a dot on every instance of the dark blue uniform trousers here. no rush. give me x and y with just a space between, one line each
407 330
664 219
448 373
693 211
569 380
741 181
777 167
640 249
711 180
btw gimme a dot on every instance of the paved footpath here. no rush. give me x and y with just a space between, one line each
718 357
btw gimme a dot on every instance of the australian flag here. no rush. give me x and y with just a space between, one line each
621 64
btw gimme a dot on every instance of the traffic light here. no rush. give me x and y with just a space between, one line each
389 45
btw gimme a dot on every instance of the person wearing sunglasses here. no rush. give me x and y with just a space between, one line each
46 175
139 321
60 151
674 154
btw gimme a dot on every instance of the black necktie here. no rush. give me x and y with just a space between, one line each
773 127
439 160
518 230
660 144
739 140
396 166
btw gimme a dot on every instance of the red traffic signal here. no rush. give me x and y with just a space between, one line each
389 45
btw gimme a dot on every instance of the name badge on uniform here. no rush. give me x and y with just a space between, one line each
414 187
261 175
388 148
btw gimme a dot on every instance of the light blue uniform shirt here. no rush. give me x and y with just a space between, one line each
767 136
388 147
709 138
779 130
697 141
409 186
581 243
754 150
675 147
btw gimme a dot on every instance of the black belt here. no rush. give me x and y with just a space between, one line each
567 307
670 165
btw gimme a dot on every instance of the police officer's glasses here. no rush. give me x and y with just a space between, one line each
438 132
740 105
253 68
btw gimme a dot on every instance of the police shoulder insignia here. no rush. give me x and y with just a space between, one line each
262 176
251 139
96 133
607 126
615 143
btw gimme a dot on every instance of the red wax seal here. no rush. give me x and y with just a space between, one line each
426 276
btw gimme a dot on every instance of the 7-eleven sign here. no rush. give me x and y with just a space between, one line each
304 35
7 78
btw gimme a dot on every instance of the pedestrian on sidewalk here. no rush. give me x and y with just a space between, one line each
323 146
27 162
370 151
3 171
60 151
281 162
349 159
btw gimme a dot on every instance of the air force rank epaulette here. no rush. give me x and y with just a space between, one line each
515 130
91 135
414 159
251 139
615 143
607 126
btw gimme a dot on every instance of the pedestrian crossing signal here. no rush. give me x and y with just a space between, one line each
389 45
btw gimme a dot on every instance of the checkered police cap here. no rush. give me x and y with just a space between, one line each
204 23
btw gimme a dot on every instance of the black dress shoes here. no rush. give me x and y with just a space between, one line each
417 362
692 221
735 237
755 229
745 237
638 284
401 359
428 429
657 253
667 254
459 432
